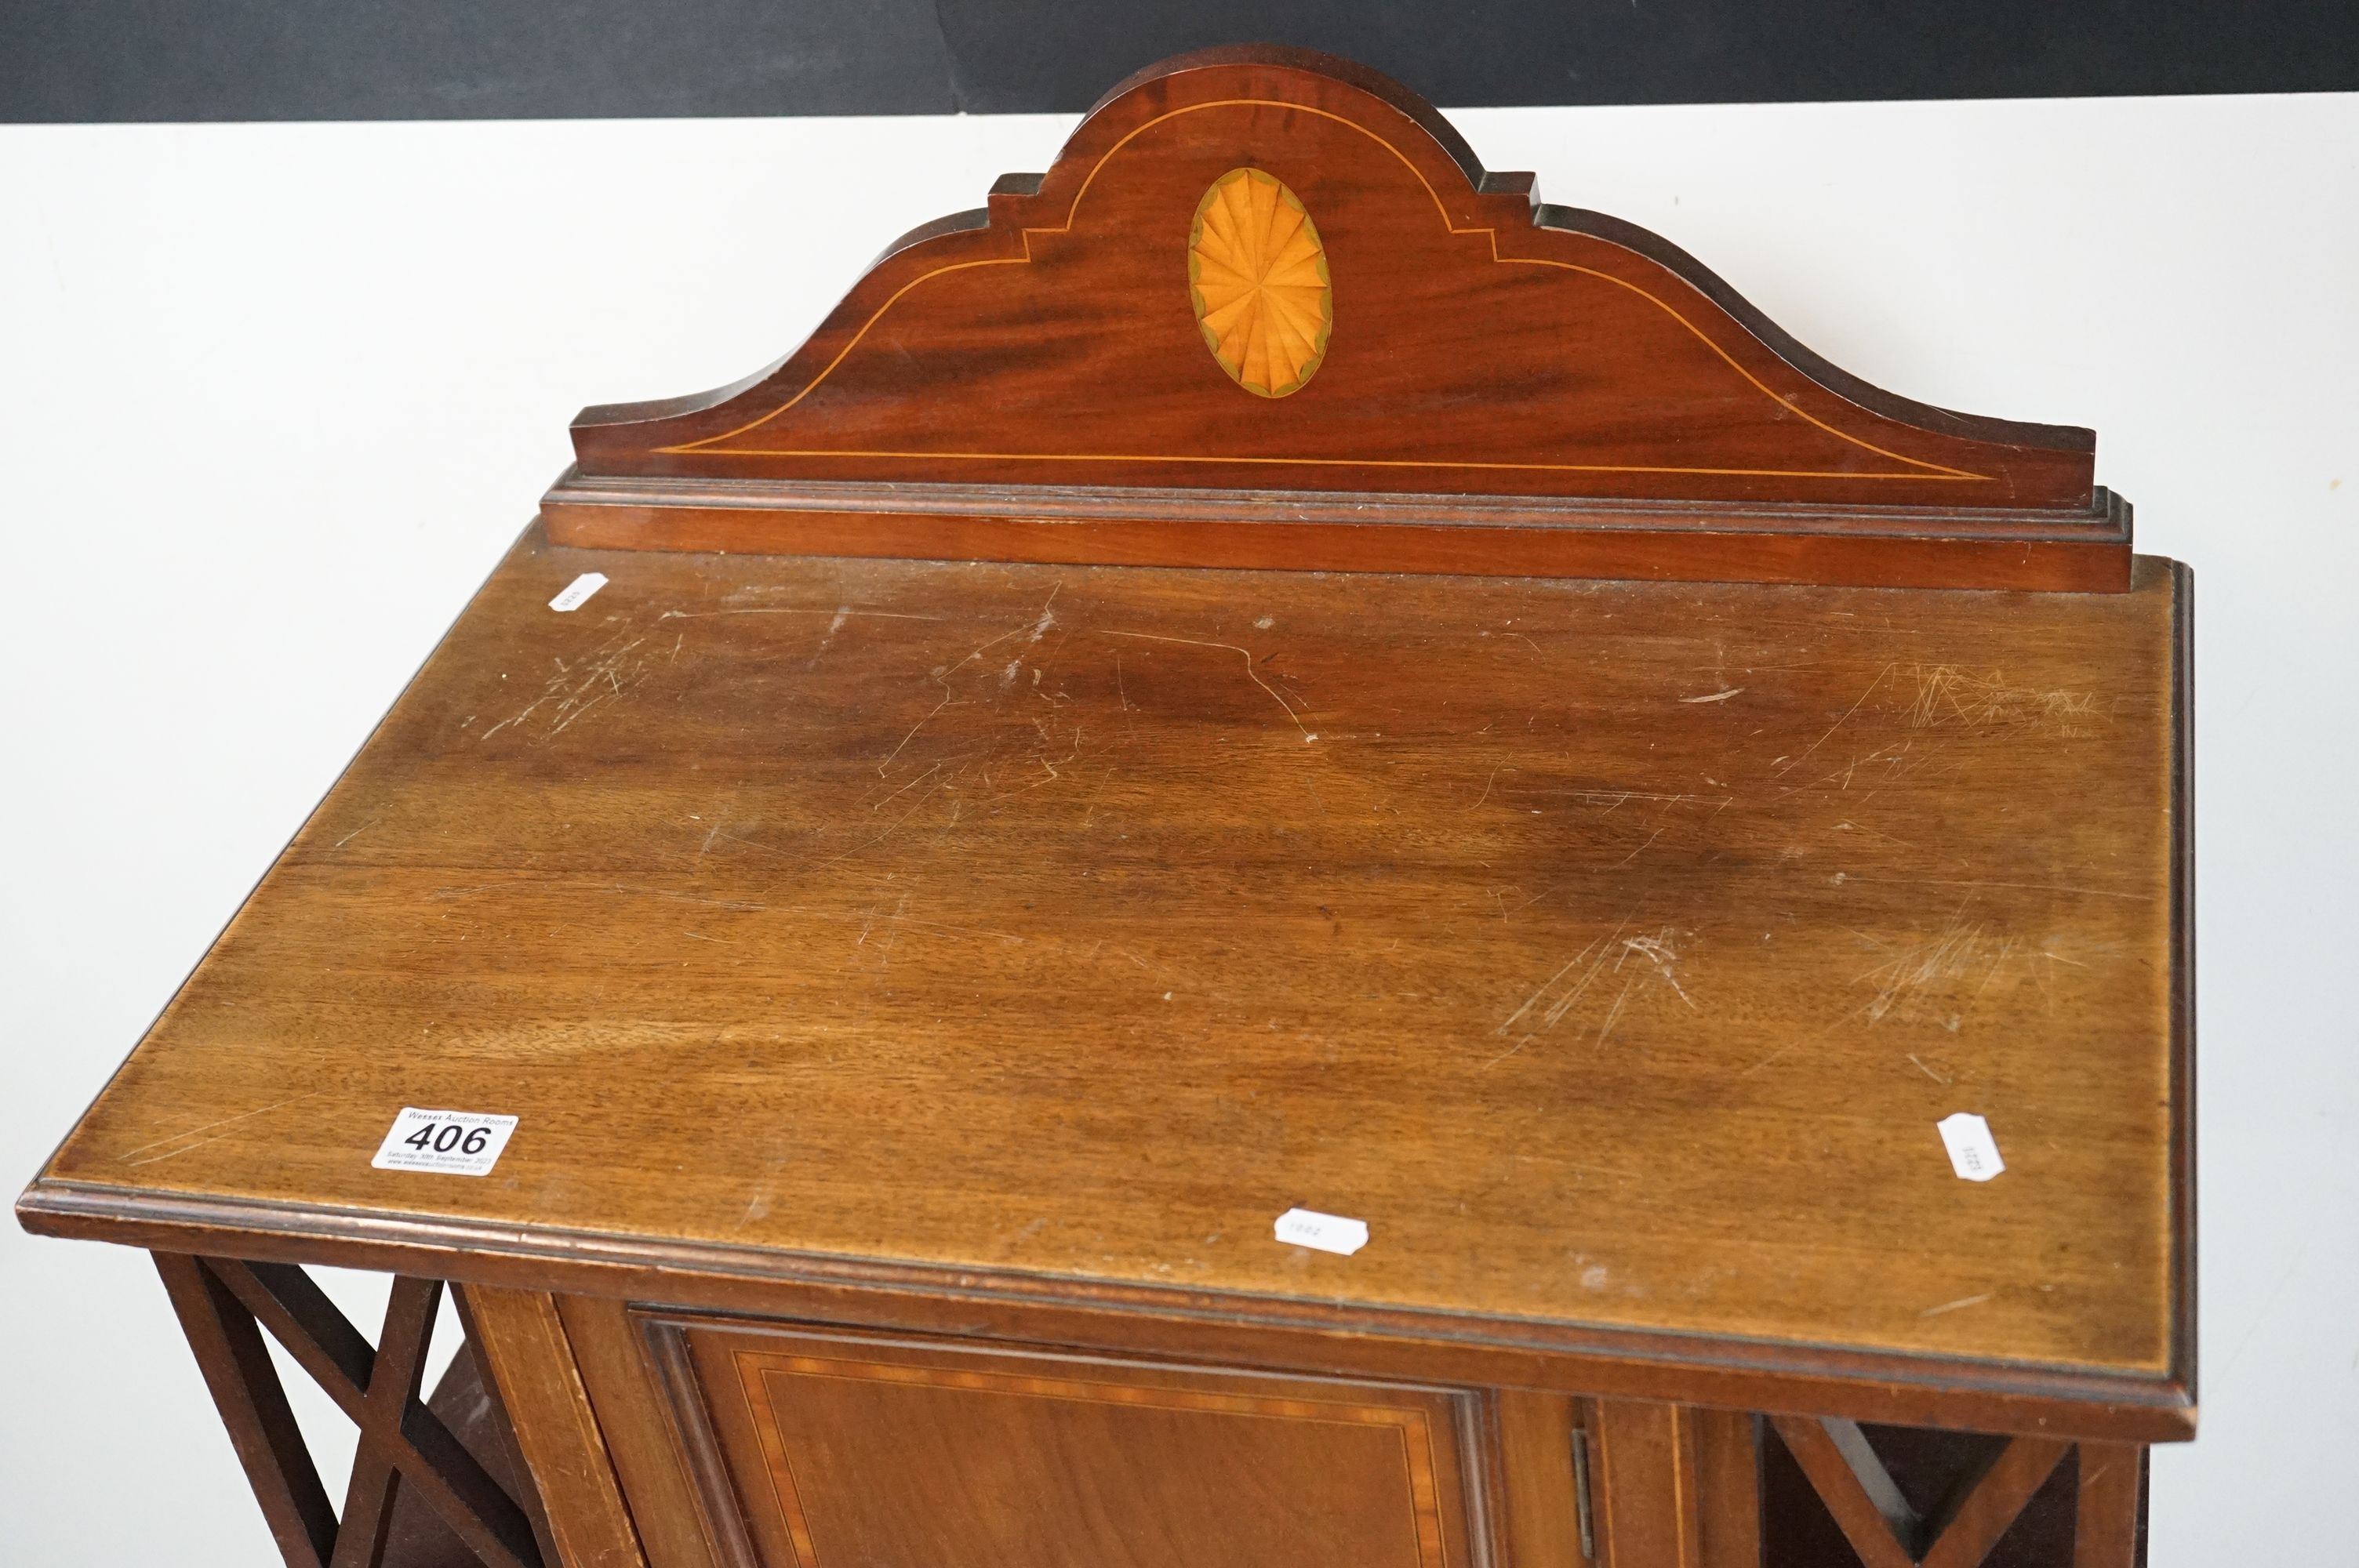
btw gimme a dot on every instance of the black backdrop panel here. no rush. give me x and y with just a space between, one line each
467 59
347 59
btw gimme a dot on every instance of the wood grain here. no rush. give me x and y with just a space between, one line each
470 1407
1537 1512
1611 949
1875 1522
530 1361
1322 1336
2110 1512
391 1389
1433 331
1648 1492
688 1415
2080 552
1983 1515
252 1405
846 1450
631 1412
1728 1487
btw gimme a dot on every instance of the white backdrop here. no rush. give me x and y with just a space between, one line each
273 398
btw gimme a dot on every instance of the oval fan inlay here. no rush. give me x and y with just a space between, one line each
1257 276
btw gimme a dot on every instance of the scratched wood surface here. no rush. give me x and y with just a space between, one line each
1611 949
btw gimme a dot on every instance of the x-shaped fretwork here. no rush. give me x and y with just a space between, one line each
224 1306
1878 1520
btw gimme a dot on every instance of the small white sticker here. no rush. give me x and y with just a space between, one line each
577 593
455 1142
1973 1152
1327 1232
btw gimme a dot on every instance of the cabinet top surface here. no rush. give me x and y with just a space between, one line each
1612 950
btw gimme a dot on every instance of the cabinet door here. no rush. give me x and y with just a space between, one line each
825 1450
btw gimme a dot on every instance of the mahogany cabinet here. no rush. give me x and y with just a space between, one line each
1266 673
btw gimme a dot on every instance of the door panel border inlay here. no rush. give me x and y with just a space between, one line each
1442 1477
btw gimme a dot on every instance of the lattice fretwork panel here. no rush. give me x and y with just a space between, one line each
408 1453
1903 1498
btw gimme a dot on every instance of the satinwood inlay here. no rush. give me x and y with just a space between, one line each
1257 276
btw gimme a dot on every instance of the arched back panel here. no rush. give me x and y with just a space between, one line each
1266 310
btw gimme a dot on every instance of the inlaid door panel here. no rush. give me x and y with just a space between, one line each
842 1451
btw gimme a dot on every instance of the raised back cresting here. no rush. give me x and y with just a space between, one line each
1259 270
